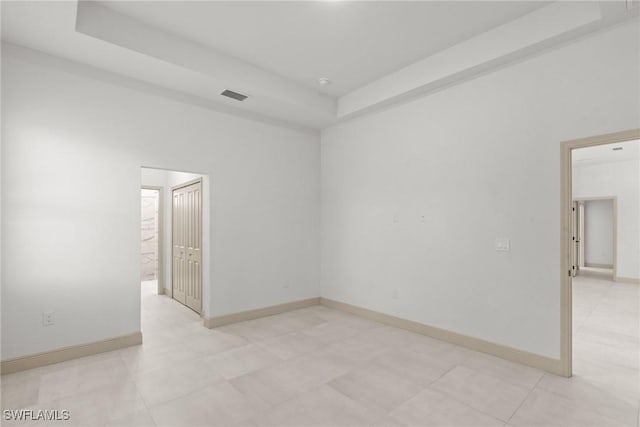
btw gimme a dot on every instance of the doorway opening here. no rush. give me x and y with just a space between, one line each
600 267
174 240
151 271
595 231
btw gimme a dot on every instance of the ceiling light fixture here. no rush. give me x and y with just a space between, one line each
324 81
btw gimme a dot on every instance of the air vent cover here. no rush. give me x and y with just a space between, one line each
235 95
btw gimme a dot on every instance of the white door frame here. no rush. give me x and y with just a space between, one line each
160 249
566 203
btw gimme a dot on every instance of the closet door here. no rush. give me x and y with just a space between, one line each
187 245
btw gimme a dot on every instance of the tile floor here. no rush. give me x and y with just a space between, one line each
321 367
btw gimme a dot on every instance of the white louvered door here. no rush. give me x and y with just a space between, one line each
187 245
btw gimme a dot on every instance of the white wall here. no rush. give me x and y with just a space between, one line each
598 232
620 179
477 161
72 150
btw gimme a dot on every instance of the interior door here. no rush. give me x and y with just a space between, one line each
187 245
178 251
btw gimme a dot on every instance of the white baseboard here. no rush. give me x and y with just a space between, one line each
622 279
600 274
499 350
214 322
519 356
597 265
68 353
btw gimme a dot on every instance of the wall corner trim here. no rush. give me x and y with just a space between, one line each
214 322
519 356
68 353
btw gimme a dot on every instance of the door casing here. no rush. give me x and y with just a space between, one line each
566 202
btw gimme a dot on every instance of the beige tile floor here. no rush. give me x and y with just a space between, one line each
321 367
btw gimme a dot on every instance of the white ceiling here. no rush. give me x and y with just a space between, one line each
350 42
605 153
375 52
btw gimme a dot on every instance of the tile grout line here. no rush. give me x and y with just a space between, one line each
144 401
595 307
527 397
598 303
441 376
135 383
281 362
372 362
480 411
311 389
272 407
488 374
447 395
497 377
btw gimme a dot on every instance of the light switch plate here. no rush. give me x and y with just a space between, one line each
503 244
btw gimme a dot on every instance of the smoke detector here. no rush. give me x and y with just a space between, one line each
324 81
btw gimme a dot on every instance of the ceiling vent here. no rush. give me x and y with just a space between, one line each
235 95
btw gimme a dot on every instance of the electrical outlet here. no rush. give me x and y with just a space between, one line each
47 318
